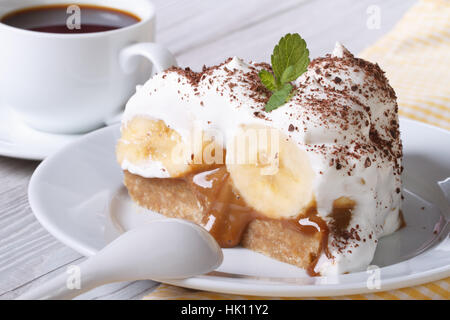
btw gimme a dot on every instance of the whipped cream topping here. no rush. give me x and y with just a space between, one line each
344 115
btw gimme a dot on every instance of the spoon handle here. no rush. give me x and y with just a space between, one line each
65 286
188 250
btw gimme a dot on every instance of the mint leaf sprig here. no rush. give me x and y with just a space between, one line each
290 59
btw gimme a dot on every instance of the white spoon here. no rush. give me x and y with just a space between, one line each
165 249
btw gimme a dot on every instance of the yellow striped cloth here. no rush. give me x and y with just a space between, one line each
416 58
438 290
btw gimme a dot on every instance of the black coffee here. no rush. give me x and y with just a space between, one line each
58 19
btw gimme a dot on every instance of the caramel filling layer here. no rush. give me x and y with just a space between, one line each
228 216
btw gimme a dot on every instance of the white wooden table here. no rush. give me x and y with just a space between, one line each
198 32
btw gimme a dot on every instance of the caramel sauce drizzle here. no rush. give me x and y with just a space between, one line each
402 220
228 215
310 223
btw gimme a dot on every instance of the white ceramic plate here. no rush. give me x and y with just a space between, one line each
77 195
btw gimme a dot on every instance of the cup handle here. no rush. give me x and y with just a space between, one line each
159 56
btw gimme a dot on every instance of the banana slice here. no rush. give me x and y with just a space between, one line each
275 177
145 139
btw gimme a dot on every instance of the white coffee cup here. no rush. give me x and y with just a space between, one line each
73 83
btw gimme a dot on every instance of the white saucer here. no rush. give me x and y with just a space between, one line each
77 195
18 140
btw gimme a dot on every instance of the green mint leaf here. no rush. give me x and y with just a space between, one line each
290 59
301 67
288 74
292 94
290 51
267 80
279 97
